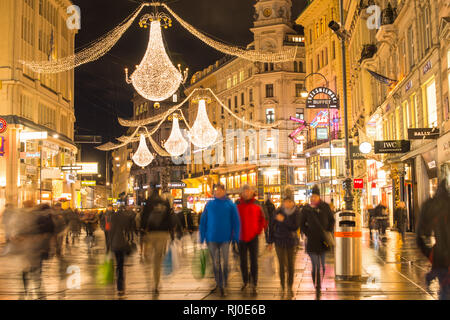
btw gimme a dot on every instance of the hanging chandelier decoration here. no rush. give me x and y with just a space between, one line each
156 78
202 133
176 145
143 157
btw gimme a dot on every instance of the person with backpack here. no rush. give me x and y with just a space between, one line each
220 225
434 222
317 223
157 223
283 233
253 222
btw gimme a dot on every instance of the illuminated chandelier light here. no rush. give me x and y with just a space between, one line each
143 157
202 133
251 55
176 145
91 53
156 78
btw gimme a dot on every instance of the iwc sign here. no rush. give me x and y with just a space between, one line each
332 102
392 146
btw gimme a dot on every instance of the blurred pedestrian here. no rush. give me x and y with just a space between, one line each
317 220
6 218
372 220
119 243
270 209
61 223
105 224
401 218
253 222
157 222
220 225
283 232
433 237
381 217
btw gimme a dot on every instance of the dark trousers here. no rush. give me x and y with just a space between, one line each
318 262
286 257
120 258
107 240
246 248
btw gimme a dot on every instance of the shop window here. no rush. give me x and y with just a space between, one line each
270 115
300 113
252 179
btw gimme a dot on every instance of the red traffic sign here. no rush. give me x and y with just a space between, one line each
3 125
358 183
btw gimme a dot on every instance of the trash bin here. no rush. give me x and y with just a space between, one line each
348 245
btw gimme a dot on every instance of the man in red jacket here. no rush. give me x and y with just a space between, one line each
253 223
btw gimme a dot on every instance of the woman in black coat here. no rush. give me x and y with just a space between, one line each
316 220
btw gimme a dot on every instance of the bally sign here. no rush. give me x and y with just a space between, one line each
332 102
392 146
423 133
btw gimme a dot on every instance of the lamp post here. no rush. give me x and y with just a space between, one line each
304 94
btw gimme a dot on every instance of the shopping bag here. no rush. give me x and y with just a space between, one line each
105 272
268 264
200 263
168 262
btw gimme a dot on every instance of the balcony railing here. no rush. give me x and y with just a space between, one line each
335 135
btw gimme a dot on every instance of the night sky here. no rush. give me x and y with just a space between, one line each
101 93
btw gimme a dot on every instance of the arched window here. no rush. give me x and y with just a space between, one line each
300 66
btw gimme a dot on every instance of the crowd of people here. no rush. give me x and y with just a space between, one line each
36 233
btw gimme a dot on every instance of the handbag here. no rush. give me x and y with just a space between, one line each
328 237
105 271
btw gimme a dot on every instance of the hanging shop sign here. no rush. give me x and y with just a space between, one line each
88 168
427 67
423 133
356 154
88 183
295 135
322 133
174 185
358 183
443 146
2 146
392 146
3 125
332 102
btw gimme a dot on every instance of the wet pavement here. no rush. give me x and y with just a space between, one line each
392 270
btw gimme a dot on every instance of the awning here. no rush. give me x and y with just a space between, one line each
420 150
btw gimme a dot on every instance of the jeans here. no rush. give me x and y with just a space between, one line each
120 258
246 248
286 259
155 250
317 259
219 255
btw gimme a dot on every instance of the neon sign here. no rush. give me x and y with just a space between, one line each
297 131
2 146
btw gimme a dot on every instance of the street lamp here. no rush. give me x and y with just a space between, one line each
343 35
304 94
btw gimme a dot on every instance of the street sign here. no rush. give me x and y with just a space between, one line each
332 102
358 183
423 133
3 125
392 146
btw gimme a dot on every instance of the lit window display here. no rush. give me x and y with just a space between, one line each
271 177
230 183
244 179
252 179
237 182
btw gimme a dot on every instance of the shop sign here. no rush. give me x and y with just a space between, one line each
88 168
335 152
24 136
358 183
373 172
50 146
71 168
392 146
28 155
87 183
322 133
177 200
3 125
174 185
423 133
2 146
427 67
356 154
332 102
192 190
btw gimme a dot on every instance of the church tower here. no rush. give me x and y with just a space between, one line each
272 23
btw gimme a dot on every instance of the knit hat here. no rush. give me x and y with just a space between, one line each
288 194
315 190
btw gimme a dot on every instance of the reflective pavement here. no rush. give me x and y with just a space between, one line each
392 270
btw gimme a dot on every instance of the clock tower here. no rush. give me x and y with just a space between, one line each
272 23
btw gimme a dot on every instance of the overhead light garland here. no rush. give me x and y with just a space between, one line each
142 157
156 78
176 145
202 133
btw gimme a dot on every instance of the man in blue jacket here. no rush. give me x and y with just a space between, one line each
219 225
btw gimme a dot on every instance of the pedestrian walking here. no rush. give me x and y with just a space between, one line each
283 233
372 220
220 225
119 245
253 222
317 223
270 209
401 218
381 217
157 222
433 237
105 224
